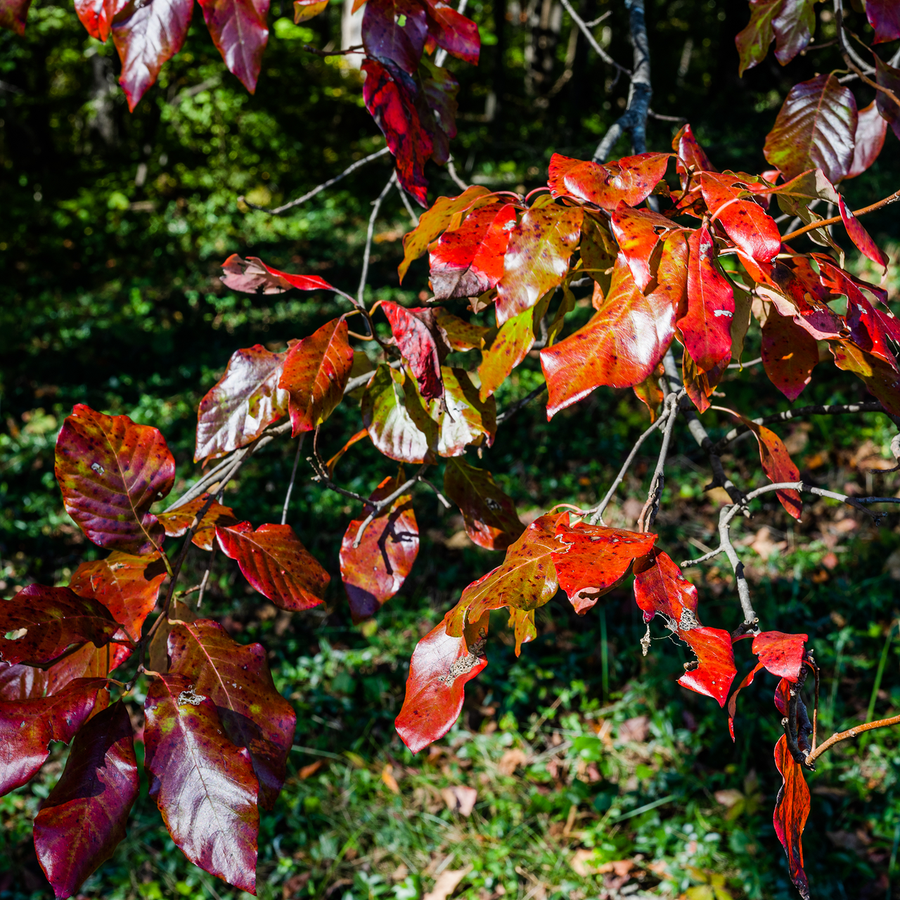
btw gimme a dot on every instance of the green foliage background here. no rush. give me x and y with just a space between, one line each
113 230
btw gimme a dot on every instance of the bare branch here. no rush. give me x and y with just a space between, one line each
376 208
586 31
651 507
510 411
850 733
444 501
751 620
384 503
290 487
451 171
836 220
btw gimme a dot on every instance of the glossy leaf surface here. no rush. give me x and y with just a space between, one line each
375 570
879 377
83 820
177 521
507 350
111 471
417 343
778 466
791 812
238 29
861 237
253 276
467 420
453 31
204 787
630 180
753 231
637 232
276 563
782 654
242 404
97 16
871 130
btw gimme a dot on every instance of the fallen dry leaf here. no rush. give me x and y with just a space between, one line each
636 729
388 778
447 883
460 799
311 769
511 760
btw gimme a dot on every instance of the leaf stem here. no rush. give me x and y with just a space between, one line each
836 220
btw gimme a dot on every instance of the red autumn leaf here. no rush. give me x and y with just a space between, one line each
871 130
253 276
390 97
789 354
690 155
525 581
204 787
148 35
791 812
815 128
467 261
464 419
630 180
884 17
315 374
417 345
236 679
753 231
242 403
27 726
790 22
83 820
507 350
13 15
440 667
395 30
375 570
661 589
444 213
638 231
97 16
878 376
128 586
238 29
537 257
698 385
888 77
453 31
489 515
395 416
861 237
622 344
46 621
594 559
111 471
753 42
177 521
274 561
781 654
706 328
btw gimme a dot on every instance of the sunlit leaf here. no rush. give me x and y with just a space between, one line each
97 15
304 10
507 350
458 333
177 521
253 276
238 29
638 232
465 419
781 654
453 31
417 339
879 377
629 180
753 231
861 237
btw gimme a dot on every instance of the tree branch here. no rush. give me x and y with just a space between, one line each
384 503
850 733
290 487
836 220
376 207
582 25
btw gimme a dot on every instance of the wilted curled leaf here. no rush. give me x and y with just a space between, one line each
253 276
791 812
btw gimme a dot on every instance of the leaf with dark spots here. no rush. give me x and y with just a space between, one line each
204 787
458 333
253 276
111 471
83 820
417 340
753 231
690 156
781 654
778 465
242 403
638 232
177 521
861 237
439 670
629 180
488 513
238 29
791 812
374 571
27 726
468 260
698 385
315 374
789 354
594 559
537 258
815 128
623 342
41 623
236 679
395 30
464 419
507 350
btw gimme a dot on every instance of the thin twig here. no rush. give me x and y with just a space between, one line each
510 411
836 220
205 580
451 171
444 501
586 31
751 620
651 507
412 213
356 48
321 187
850 733
376 208
290 487
384 503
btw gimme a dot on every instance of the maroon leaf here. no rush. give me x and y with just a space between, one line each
417 345
238 29
630 180
83 820
622 344
789 354
390 97
274 561
28 726
871 129
204 786
861 237
236 679
691 157
45 621
147 35
888 77
375 570
13 14
465 419
453 31
242 403
253 276
706 328
128 586
791 812
781 654
489 514
594 559
315 374
661 589
395 30
438 90
396 419
110 471
790 22
753 42
537 258
638 232
177 521
815 128
468 260
884 17
440 667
